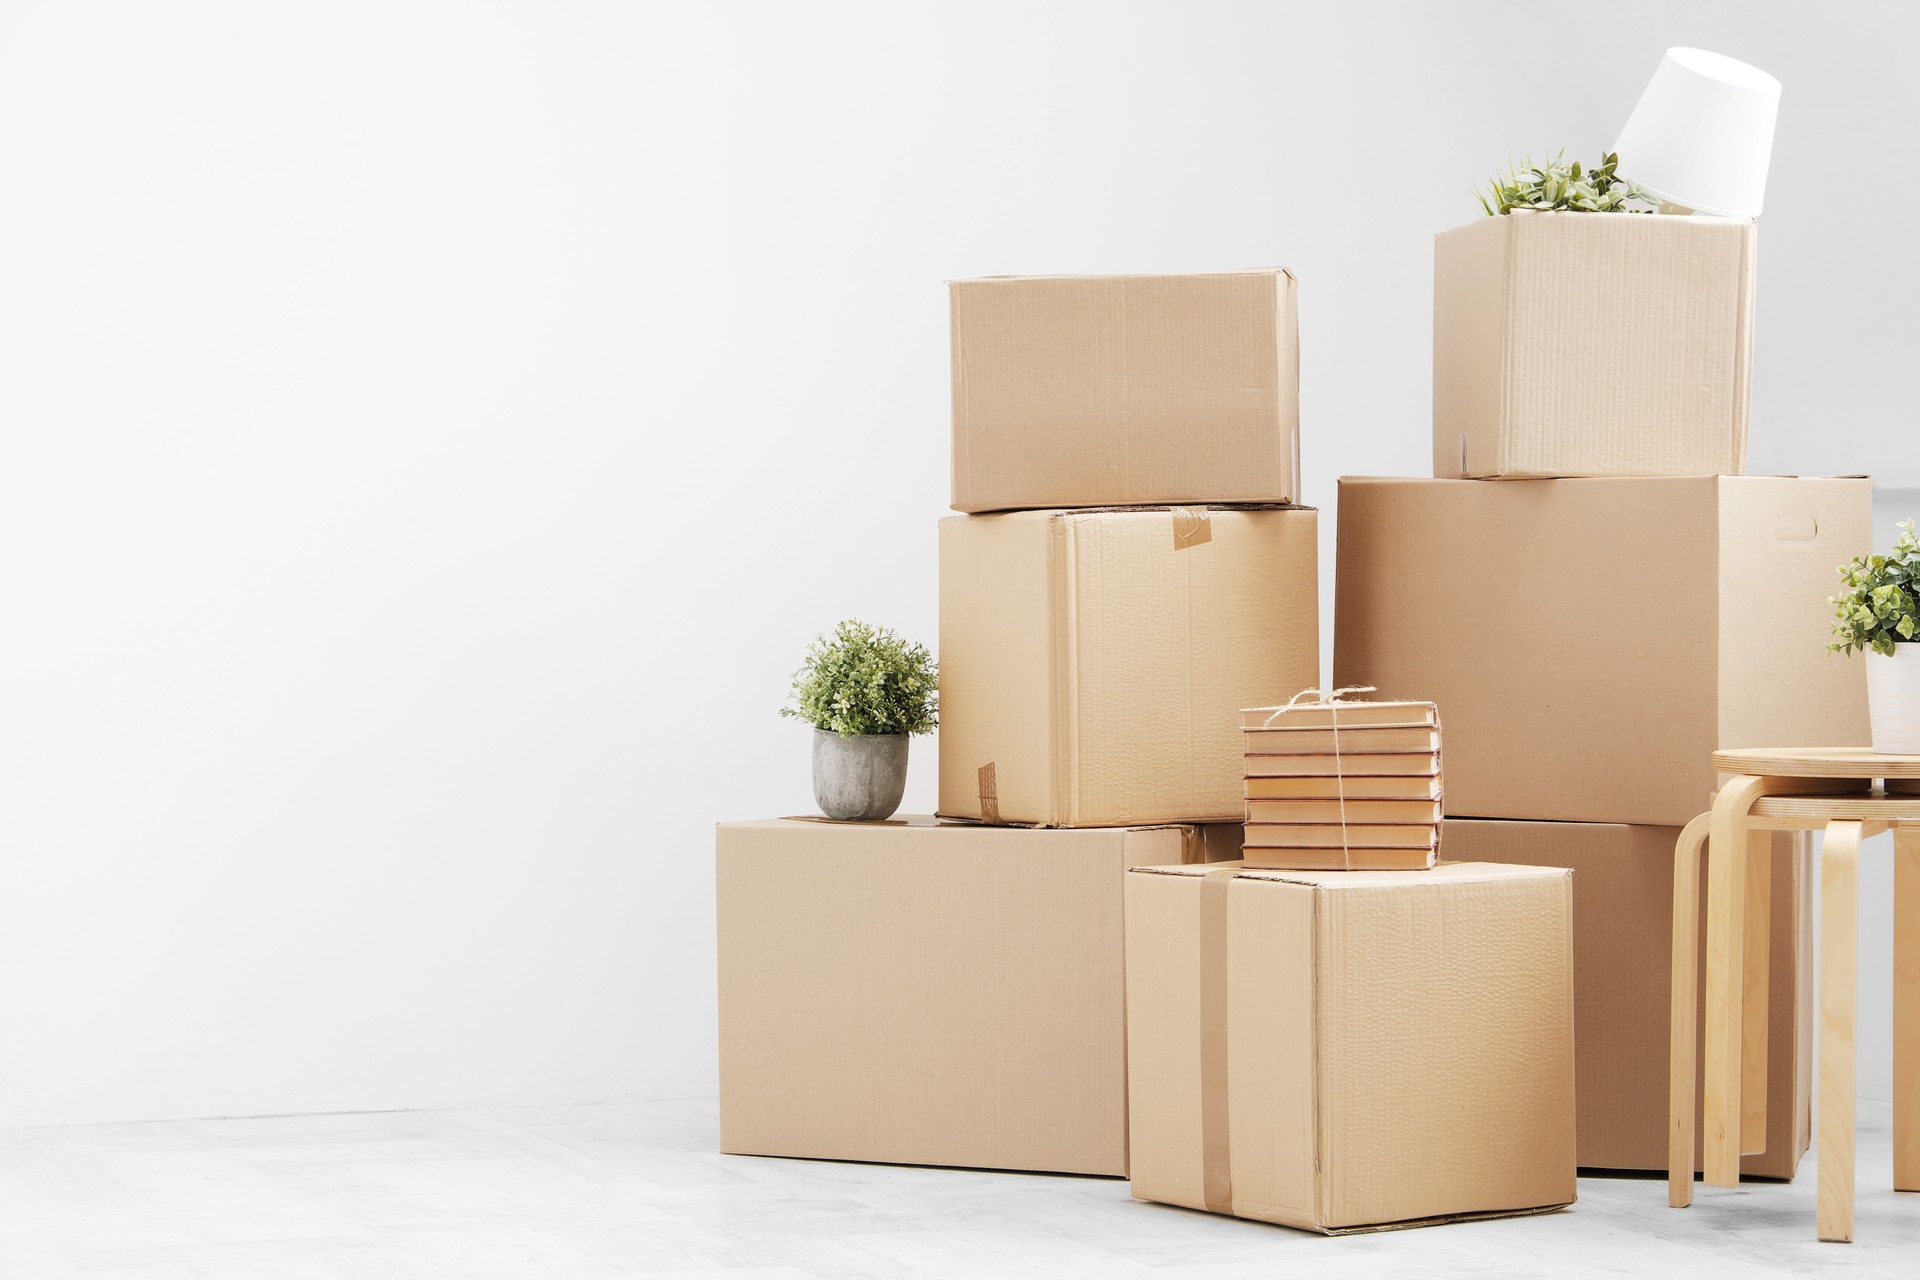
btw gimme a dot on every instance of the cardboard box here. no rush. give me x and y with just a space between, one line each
924 993
1592 344
1351 1050
1088 391
1623 960
1093 663
1591 642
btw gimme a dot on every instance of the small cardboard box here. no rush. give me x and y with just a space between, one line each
1623 963
927 993
1592 344
1351 1050
1088 391
1590 643
1093 663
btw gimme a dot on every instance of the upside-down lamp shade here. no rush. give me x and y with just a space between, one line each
1703 133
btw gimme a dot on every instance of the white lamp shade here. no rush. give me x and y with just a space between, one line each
1703 133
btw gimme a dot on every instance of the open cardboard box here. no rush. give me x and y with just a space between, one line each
1592 344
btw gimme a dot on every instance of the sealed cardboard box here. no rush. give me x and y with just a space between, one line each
1590 643
926 993
1088 391
1592 344
1351 1050
1093 663
1622 952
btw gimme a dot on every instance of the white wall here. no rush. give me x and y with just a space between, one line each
430 431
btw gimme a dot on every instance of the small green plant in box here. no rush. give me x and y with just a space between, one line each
1878 608
1562 184
865 691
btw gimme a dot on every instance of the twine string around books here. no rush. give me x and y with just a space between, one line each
1330 698
1340 779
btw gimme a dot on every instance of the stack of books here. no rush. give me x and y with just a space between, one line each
1351 786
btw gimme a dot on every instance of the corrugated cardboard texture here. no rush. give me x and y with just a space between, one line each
1773 534
1591 642
1100 667
1622 932
1582 344
1082 391
1399 1044
921 994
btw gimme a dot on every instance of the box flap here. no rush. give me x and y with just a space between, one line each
1445 1071
998 661
1230 609
1470 279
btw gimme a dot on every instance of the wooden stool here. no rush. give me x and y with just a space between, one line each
1791 789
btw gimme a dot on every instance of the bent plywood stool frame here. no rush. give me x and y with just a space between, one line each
1772 790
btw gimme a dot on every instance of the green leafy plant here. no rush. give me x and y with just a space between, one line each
1879 608
866 679
1562 184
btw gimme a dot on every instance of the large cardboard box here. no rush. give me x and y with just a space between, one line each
1349 1050
1591 642
927 993
1623 961
1087 391
1093 663
1592 344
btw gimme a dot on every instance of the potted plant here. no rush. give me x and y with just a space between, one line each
1563 186
865 691
1879 614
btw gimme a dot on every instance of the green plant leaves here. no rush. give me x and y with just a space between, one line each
1562 184
866 679
1881 604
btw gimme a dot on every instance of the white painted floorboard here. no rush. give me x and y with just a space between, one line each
594 1192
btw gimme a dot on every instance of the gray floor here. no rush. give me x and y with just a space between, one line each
572 1193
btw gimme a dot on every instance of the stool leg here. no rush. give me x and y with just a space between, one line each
1726 978
1906 1009
1684 1012
1839 960
1755 994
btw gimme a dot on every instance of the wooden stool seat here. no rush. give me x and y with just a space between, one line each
1850 793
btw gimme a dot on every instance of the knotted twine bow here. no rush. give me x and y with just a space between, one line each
1322 698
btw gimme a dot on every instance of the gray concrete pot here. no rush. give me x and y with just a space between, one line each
859 778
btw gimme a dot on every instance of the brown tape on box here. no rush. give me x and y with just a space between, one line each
989 794
1191 527
1216 1141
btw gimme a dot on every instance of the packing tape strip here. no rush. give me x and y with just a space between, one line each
1191 527
989 794
1216 1136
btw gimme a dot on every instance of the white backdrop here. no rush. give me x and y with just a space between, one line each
432 431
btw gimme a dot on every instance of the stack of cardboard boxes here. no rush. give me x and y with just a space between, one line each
1130 571
1000 986
1622 601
